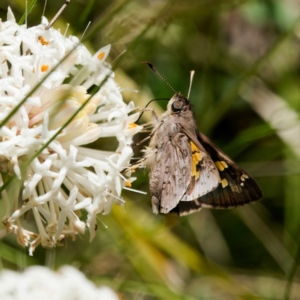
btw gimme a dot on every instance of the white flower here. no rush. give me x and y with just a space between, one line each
65 177
41 283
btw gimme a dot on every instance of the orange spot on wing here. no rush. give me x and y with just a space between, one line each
196 158
224 182
221 165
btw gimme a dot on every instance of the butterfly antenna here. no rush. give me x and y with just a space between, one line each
160 76
191 82
157 99
58 14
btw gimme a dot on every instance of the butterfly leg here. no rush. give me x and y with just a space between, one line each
135 166
147 127
155 205
141 142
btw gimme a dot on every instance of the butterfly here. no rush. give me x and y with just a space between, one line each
188 171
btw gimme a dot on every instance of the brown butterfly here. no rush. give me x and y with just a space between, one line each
187 171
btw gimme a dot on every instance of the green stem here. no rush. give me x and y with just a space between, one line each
291 275
26 13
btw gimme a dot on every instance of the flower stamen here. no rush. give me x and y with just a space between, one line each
132 125
43 41
44 68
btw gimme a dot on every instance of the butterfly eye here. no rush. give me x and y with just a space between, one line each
176 106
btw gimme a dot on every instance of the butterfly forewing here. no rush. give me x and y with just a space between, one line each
170 176
204 181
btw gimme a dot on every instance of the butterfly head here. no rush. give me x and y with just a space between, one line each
178 104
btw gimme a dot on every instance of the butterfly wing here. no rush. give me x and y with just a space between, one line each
169 176
236 187
174 171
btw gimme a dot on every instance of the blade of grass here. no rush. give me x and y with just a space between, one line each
291 275
10 254
139 226
31 5
108 17
214 115
266 237
285 121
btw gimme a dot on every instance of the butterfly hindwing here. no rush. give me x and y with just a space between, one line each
235 187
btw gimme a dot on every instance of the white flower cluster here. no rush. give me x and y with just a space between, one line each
38 282
65 177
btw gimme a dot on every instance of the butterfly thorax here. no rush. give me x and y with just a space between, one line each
168 125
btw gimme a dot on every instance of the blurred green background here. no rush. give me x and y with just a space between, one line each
246 57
